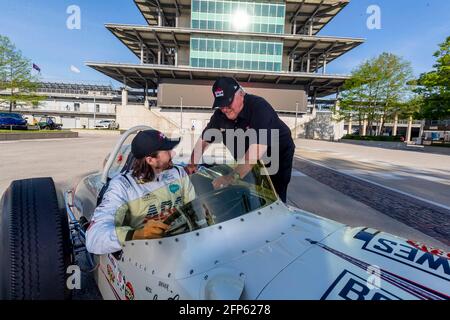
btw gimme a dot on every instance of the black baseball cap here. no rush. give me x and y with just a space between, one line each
149 141
223 91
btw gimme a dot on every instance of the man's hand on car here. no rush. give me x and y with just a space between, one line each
223 181
191 168
153 229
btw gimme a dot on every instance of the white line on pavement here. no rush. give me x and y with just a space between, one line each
378 184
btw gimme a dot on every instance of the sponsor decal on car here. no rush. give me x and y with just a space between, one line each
425 248
415 289
405 253
129 291
111 276
349 286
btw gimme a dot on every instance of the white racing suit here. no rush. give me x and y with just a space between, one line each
128 204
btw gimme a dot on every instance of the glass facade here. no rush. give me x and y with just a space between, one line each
235 54
249 16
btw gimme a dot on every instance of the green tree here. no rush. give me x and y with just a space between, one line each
434 86
16 76
375 89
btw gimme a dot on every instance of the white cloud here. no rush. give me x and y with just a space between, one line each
74 69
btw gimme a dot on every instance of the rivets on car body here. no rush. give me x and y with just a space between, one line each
259 212
243 251
216 262
293 225
153 272
168 276
267 241
220 227
282 233
242 219
197 234
146 243
160 242
176 239
205 277
241 274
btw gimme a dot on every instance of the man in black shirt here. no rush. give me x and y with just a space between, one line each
234 110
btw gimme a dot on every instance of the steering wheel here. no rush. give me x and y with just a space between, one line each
171 219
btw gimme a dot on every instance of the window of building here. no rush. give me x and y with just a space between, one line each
219 15
97 108
76 106
232 53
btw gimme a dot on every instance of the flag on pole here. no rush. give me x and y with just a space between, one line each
36 67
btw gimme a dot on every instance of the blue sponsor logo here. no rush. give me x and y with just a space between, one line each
174 188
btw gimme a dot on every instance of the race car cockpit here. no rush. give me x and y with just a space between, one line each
213 206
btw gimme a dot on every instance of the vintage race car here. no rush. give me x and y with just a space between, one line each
237 242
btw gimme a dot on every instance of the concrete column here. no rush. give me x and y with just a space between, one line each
364 127
292 65
176 57
124 97
146 103
159 55
324 70
349 131
408 132
142 52
394 129
311 27
308 63
294 27
159 18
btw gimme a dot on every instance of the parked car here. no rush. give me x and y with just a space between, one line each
13 121
107 124
49 123
237 242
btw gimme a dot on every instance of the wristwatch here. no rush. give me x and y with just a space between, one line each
236 176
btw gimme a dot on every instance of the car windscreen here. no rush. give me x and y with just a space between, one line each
202 205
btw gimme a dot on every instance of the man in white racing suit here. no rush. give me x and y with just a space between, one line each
136 202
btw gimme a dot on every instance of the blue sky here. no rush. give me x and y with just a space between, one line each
409 28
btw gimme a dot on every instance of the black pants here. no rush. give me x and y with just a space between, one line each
282 178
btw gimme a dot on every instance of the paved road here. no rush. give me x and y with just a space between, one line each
422 175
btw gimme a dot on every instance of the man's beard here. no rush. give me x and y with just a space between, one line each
167 166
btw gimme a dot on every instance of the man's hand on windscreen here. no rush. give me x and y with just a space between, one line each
191 168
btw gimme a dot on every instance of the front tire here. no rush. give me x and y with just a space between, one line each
35 248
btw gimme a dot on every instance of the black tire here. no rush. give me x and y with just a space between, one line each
35 248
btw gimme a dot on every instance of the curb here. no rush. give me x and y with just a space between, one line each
33 136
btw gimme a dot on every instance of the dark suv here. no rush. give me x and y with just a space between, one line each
10 120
